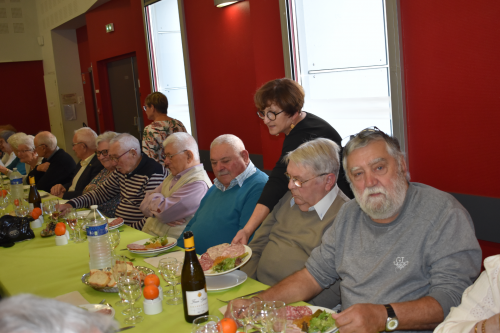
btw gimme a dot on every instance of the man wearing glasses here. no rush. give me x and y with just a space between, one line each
57 165
403 252
295 226
172 204
84 146
135 174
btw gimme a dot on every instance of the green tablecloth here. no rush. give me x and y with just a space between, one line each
40 267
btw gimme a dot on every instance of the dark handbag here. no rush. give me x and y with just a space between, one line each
14 229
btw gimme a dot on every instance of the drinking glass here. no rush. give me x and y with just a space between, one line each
81 228
119 269
114 238
72 220
173 272
4 202
241 311
130 289
48 208
22 209
55 212
162 269
269 316
206 324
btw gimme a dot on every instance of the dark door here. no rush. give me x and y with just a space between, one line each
124 91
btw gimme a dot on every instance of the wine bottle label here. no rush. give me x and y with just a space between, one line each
197 302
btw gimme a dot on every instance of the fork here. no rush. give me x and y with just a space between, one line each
129 259
241 296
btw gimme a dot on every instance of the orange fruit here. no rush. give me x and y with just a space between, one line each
16 202
151 291
152 279
36 213
60 229
4 193
228 325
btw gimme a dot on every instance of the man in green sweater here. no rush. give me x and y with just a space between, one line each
295 226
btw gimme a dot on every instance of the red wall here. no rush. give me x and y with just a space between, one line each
23 97
452 86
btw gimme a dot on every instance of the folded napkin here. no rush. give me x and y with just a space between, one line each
179 255
73 297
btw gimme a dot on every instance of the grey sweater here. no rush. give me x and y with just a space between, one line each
429 250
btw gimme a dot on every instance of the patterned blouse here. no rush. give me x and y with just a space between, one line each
154 135
108 208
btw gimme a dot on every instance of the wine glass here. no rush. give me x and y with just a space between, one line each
130 289
72 220
4 203
241 311
269 316
173 272
22 209
48 208
206 324
114 239
119 269
162 269
81 227
55 212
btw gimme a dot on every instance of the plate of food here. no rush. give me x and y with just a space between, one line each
102 279
152 245
115 223
310 319
226 281
99 308
224 258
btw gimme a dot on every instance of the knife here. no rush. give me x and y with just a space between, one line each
125 328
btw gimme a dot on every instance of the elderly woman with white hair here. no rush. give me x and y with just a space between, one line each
25 146
13 160
108 208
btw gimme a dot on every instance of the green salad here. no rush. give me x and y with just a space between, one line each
321 323
228 263
158 240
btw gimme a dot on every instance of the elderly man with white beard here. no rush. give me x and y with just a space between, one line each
404 252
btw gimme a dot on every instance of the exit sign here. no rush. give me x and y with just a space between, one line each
110 27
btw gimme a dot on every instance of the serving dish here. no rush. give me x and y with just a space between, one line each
86 276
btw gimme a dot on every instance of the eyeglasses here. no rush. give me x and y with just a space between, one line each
103 152
299 183
115 159
74 144
169 156
363 134
270 114
25 151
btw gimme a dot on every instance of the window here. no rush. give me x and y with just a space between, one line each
345 54
168 59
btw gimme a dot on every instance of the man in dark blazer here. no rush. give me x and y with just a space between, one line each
84 146
57 165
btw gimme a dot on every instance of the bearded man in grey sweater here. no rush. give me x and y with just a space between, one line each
404 252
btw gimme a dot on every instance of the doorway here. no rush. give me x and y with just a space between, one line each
124 95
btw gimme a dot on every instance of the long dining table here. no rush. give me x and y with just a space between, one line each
41 268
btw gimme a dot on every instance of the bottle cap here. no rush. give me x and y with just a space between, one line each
94 207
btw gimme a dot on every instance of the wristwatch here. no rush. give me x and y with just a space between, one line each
392 321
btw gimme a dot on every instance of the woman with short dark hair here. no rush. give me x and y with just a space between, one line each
156 105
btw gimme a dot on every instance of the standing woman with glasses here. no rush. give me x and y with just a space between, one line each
280 105
108 208
156 105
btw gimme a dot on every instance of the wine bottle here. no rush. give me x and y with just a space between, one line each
194 286
34 198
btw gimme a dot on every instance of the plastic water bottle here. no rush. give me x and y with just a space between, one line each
16 185
97 235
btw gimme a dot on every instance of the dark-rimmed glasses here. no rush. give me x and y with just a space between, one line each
270 114
115 159
169 156
362 134
103 152
299 183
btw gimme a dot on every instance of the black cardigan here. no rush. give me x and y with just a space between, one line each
60 171
311 127
86 177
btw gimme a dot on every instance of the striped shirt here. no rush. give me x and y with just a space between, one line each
132 188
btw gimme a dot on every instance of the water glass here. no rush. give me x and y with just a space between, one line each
55 212
206 324
269 316
119 269
48 208
173 272
168 290
22 209
130 289
241 311
72 220
81 228
114 239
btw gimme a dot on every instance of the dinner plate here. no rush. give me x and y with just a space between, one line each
115 226
171 243
316 308
86 276
247 249
225 281
97 307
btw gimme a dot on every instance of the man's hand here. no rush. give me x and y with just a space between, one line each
176 223
57 190
241 237
43 167
369 318
64 208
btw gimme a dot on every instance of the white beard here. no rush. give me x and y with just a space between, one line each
386 206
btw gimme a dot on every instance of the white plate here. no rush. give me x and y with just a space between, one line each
116 226
225 281
247 249
83 213
97 307
171 243
316 308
